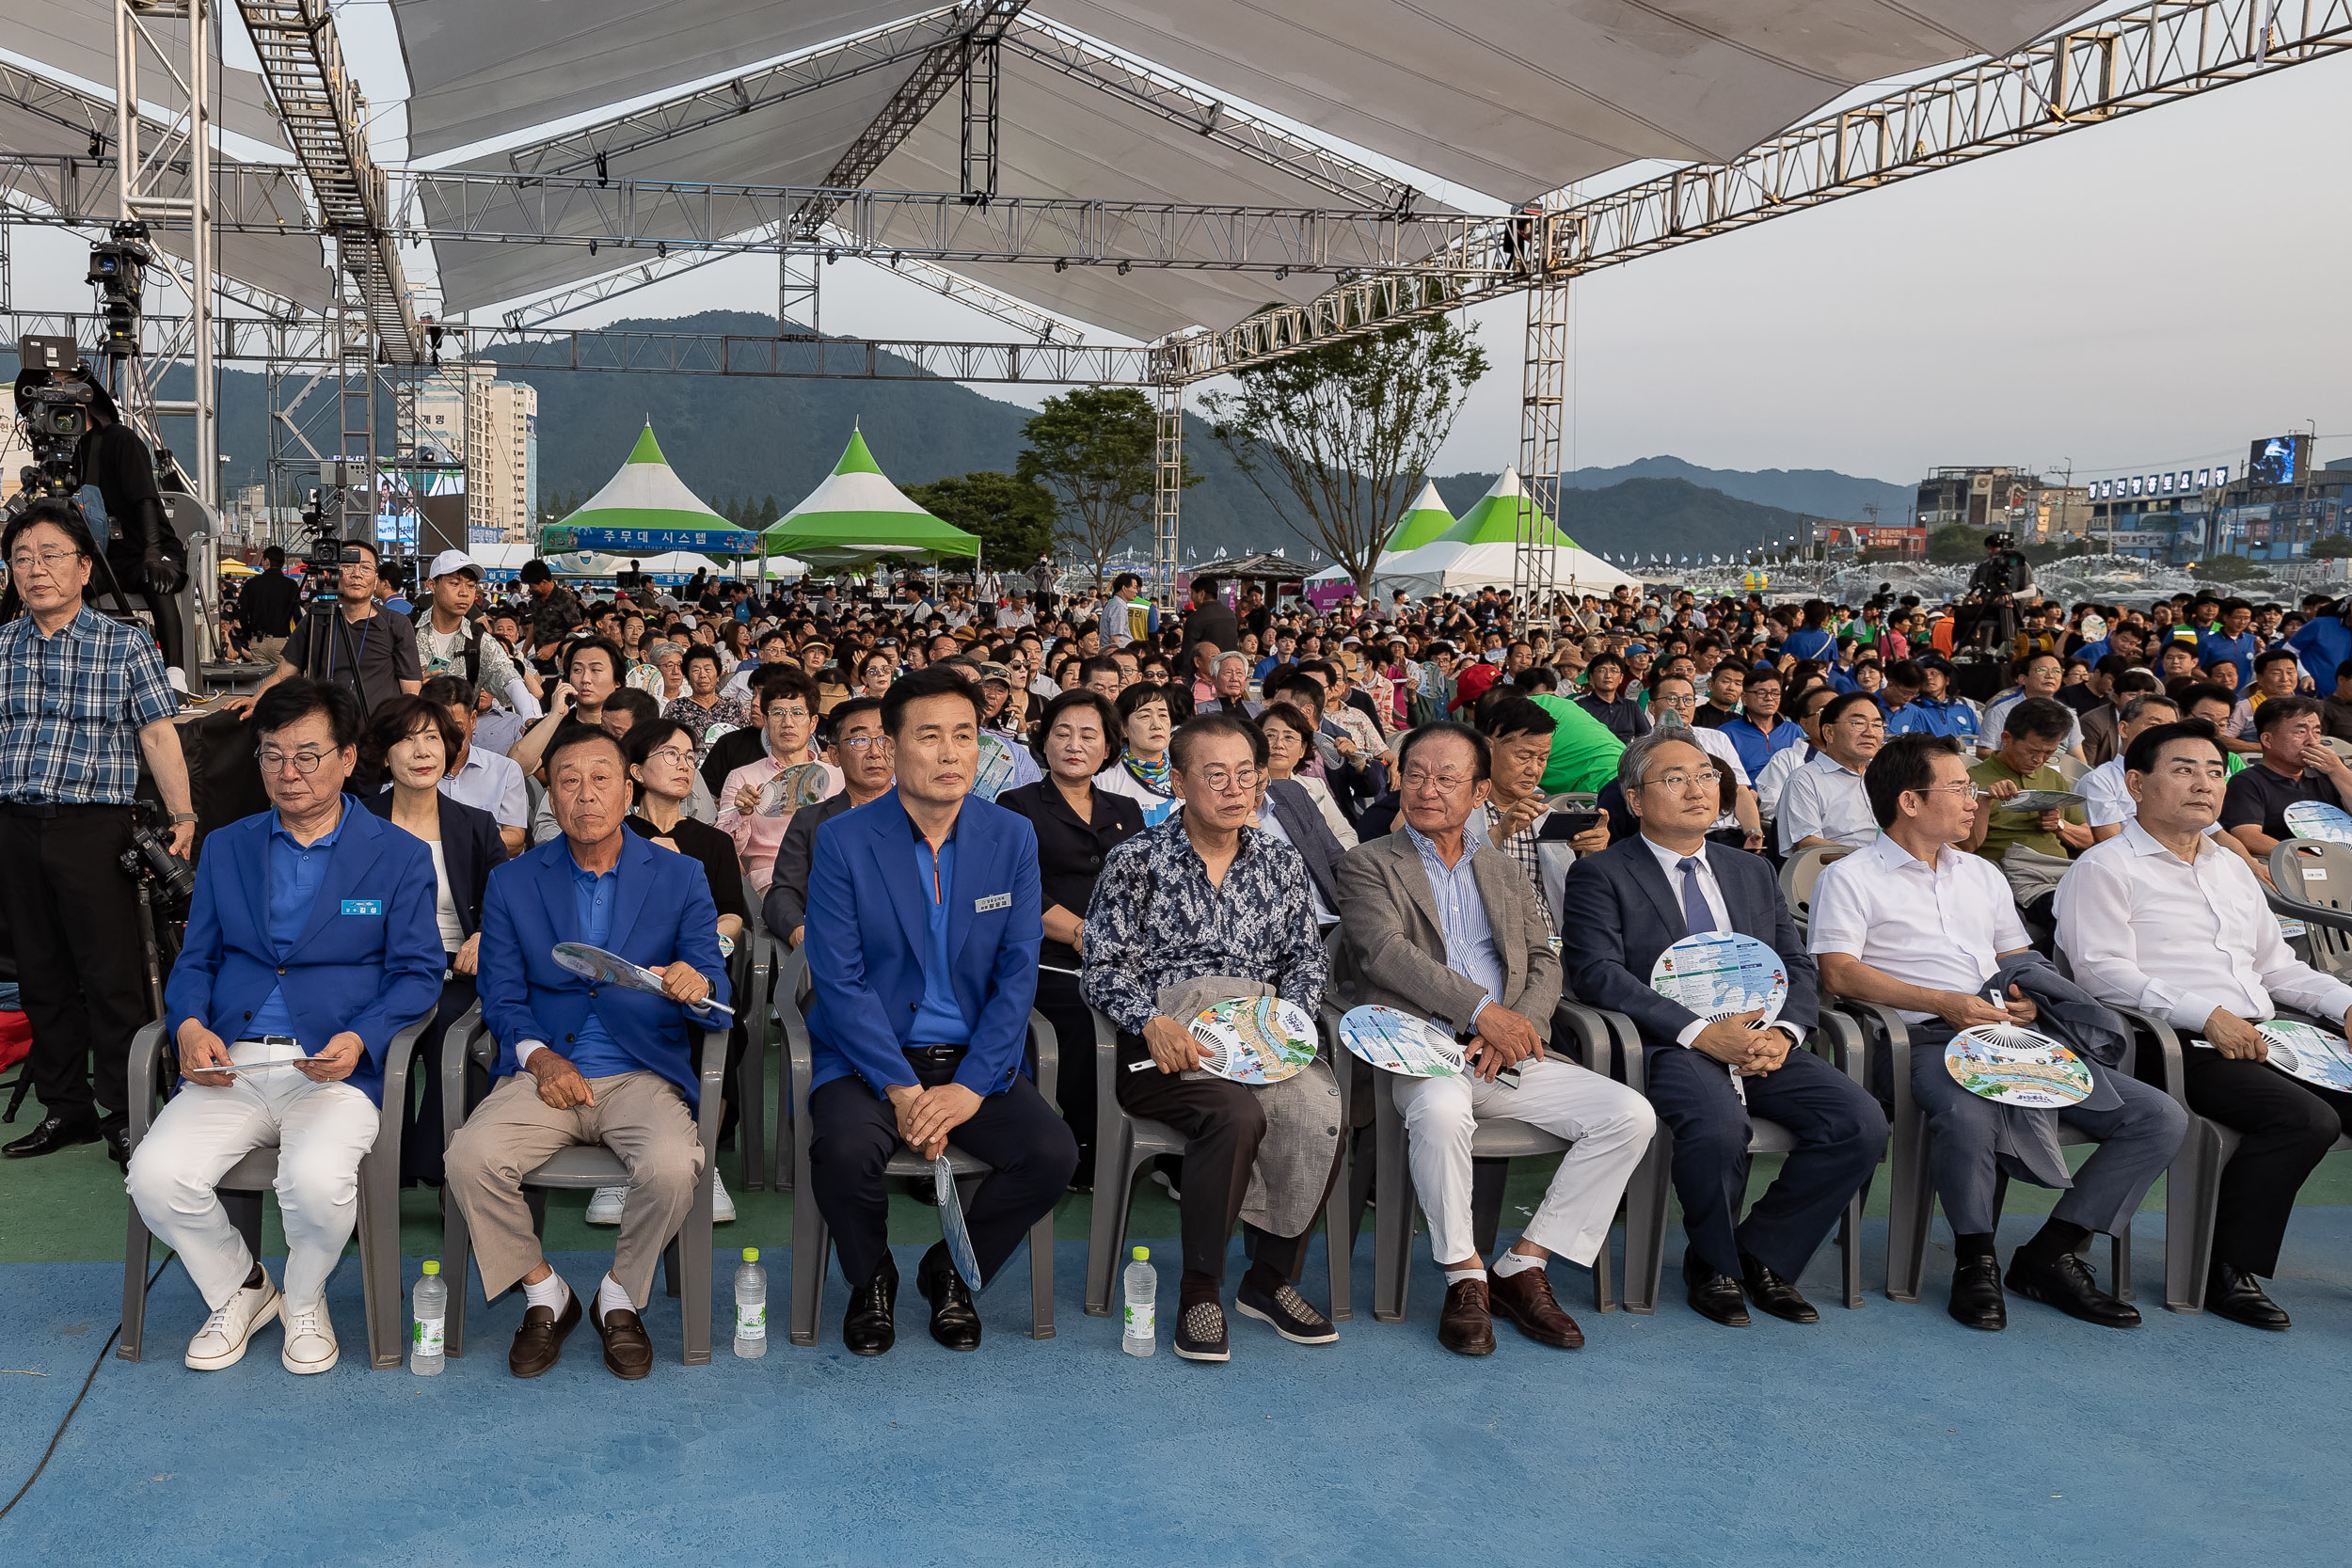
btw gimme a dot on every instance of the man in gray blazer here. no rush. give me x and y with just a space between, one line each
1456 934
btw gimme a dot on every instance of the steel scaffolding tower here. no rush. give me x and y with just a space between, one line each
1168 493
1543 384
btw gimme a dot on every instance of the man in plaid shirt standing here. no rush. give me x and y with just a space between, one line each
80 697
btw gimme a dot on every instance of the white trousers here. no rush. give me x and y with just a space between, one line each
320 1132
1609 1124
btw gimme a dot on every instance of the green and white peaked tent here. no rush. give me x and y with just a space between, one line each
645 509
1425 519
856 517
1495 518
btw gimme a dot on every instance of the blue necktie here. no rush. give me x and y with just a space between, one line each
1695 913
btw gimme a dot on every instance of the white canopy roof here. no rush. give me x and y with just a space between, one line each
1449 567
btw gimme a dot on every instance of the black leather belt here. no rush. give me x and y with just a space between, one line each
282 1041
934 1064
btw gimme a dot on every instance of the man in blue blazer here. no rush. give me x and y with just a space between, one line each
924 925
582 1061
311 943
1627 905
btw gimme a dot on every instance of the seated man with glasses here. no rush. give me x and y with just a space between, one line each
311 941
1198 910
1823 802
1454 931
1629 904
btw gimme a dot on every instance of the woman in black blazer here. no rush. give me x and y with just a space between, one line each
1076 825
412 743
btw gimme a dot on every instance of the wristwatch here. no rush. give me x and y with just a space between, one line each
180 816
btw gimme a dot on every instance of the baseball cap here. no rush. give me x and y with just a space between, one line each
454 561
992 672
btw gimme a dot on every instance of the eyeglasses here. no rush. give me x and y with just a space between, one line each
1960 788
304 762
1679 784
677 756
1415 778
862 742
1224 781
48 561
788 710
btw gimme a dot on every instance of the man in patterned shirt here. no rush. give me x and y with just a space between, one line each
77 693
1199 909
1519 731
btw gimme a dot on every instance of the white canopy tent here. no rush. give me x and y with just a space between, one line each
1449 567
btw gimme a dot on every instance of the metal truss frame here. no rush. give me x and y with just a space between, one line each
2089 75
325 118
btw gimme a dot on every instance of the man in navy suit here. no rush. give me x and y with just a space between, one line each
1629 904
924 925
583 1061
312 941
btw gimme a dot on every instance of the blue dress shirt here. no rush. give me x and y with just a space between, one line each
591 1050
939 1021
295 871
1469 939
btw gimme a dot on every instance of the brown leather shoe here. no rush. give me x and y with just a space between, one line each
540 1340
627 1354
1466 1327
1526 1299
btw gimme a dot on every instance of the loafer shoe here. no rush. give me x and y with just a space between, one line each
309 1341
54 1133
539 1344
1287 1312
1200 1333
627 1352
222 1340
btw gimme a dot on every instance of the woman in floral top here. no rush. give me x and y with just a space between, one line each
702 706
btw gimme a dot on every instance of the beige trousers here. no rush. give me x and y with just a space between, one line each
639 1116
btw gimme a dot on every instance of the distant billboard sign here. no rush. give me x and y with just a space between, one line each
2279 460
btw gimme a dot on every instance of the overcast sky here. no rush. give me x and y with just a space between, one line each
2142 295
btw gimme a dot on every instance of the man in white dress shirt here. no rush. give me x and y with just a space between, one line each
1824 802
2108 803
1772 783
2038 675
2161 918
1915 924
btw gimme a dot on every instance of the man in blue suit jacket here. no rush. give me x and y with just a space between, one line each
311 943
1625 907
583 1061
924 925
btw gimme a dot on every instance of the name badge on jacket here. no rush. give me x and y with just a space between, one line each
364 906
994 901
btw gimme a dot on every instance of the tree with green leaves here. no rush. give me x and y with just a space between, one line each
1012 517
1336 439
1096 451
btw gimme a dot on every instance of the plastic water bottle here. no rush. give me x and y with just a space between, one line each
425 1358
751 1306
1143 1295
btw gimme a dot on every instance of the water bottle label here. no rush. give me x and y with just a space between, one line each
751 1322
425 1336
1142 1320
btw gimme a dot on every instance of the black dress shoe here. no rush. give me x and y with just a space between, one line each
2066 1283
955 1321
53 1134
1976 1300
872 1326
118 1141
1714 1295
2239 1298
1774 1295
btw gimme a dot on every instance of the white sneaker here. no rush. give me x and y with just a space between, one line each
222 1340
309 1341
605 1208
721 1206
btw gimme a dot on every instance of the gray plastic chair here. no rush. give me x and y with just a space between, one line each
1495 1137
1645 1194
812 1238
1911 1198
1124 1143
788 993
751 1077
1799 874
2312 882
241 1192
584 1167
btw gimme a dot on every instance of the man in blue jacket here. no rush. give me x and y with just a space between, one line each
311 941
585 1061
924 925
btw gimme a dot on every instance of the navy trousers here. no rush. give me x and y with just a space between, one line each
1841 1133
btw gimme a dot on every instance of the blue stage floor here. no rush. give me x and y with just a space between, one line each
1884 1435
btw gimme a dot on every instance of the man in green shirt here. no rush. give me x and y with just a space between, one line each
1583 753
2033 849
